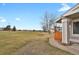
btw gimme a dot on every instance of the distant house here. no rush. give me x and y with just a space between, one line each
70 25
56 26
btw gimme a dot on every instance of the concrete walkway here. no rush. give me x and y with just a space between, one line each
74 48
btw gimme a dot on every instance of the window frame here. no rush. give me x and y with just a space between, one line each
75 20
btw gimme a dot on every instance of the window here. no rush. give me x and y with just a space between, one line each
76 27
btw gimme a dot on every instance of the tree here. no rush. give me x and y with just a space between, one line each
14 28
8 27
47 21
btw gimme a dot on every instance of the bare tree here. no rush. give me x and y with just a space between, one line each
47 21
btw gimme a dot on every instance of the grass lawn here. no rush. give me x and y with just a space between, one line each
37 43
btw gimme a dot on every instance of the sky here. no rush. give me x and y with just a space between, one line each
29 15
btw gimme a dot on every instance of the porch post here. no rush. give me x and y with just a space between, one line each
65 30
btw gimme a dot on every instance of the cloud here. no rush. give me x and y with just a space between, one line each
18 19
2 19
64 7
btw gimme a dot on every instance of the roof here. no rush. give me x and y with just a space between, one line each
58 20
67 13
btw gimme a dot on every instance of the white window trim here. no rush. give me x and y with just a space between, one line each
76 35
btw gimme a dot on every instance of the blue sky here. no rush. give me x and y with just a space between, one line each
29 15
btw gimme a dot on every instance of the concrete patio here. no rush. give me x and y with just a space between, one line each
73 48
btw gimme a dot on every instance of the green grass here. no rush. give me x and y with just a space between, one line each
11 42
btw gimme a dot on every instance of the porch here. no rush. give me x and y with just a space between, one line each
70 28
73 48
74 39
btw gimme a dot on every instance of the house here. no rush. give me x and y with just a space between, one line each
70 25
57 25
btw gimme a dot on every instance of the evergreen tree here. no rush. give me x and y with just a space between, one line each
14 28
